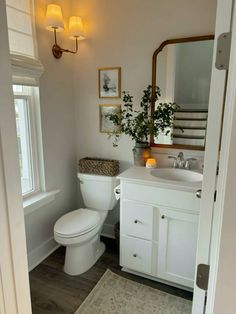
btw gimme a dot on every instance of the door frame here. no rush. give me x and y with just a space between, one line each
222 254
216 209
14 279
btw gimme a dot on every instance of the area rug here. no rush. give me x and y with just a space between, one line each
114 294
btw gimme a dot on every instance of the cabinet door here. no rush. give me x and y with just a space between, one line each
177 246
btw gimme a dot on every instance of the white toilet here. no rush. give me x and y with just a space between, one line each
80 229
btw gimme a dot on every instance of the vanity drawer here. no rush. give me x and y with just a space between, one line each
136 219
136 254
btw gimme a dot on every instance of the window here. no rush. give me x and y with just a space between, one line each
26 71
25 103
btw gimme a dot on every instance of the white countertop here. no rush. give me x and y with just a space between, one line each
142 175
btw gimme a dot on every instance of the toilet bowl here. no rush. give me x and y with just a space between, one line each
79 230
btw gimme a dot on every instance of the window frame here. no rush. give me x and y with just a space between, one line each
29 95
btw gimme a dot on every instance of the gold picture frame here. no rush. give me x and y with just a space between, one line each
106 125
109 82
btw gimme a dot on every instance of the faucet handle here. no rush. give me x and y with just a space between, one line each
187 162
175 164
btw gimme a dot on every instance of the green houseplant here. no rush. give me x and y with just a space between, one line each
140 124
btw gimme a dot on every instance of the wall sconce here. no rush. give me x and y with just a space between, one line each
55 23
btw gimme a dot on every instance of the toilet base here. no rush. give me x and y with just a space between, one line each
81 258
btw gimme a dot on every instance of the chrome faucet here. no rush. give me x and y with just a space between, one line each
180 162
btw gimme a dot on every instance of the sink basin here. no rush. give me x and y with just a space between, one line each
178 175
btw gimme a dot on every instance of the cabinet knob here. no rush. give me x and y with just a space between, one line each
134 255
137 221
163 217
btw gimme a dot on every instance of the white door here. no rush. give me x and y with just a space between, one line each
177 243
14 283
216 105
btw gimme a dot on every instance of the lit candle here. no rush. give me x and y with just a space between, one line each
151 163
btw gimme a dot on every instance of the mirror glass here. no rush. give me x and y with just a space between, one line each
183 73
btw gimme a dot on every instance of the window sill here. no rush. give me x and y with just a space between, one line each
39 200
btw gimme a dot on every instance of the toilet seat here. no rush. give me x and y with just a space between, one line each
76 223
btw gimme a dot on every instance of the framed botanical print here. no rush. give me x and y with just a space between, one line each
109 82
106 125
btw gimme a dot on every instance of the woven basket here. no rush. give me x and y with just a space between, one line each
103 167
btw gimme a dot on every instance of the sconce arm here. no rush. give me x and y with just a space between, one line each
58 51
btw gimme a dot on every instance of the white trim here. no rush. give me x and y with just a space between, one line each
216 105
13 263
31 137
31 95
33 122
26 70
40 253
108 231
229 118
6 259
39 139
39 200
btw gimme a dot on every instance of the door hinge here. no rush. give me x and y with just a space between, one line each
203 276
223 51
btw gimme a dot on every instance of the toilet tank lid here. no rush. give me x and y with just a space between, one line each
93 177
77 222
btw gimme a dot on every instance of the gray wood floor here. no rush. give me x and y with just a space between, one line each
54 292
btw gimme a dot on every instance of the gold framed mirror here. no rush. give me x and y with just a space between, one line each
181 67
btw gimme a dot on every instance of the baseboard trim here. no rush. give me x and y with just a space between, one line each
36 256
108 231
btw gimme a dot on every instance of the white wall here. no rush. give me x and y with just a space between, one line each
125 33
58 131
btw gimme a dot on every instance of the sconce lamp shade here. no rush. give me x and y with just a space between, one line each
54 19
76 28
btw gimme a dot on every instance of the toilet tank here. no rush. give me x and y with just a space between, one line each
98 191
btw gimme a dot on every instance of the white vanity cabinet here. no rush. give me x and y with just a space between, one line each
158 231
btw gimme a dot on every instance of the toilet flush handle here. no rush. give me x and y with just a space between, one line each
199 193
